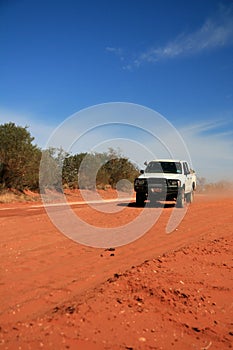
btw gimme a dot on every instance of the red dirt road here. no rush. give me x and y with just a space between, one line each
163 291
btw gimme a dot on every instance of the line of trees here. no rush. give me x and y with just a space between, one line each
21 161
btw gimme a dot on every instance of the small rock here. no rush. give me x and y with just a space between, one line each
70 309
55 309
196 329
142 339
184 295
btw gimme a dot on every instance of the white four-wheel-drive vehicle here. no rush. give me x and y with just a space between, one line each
165 180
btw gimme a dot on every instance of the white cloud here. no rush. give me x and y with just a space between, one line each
118 51
211 151
216 32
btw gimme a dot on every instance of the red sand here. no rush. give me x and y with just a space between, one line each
159 292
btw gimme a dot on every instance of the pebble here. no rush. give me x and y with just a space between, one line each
142 339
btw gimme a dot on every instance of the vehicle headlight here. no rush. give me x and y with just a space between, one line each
140 182
173 182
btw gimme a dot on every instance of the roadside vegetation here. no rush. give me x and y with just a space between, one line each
20 160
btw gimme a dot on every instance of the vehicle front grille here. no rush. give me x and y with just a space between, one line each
155 181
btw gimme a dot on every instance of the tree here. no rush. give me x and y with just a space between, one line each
70 169
19 158
118 169
88 170
51 167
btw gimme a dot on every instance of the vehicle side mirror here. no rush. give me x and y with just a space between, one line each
141 171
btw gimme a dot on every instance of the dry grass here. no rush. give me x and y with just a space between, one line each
11 196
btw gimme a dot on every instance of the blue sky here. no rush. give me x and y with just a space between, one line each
175 57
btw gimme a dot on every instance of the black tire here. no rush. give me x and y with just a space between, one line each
189 197
180 199
140 198
153 200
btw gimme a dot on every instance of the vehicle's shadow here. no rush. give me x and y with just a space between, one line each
148 205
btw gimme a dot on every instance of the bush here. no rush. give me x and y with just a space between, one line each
19 158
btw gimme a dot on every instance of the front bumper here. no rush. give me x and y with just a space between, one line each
161 187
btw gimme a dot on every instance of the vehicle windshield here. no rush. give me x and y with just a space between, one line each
164 167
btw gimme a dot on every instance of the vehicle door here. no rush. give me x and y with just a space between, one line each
188 178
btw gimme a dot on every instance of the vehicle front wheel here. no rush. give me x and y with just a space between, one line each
140 198
180 199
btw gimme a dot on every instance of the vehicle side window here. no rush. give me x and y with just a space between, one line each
186 169
178 168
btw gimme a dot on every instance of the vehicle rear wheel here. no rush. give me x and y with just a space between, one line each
140 198
180 199
189 197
